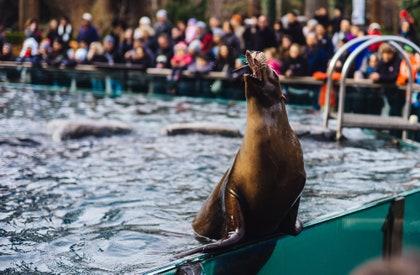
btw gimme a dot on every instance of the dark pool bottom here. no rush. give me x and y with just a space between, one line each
125 203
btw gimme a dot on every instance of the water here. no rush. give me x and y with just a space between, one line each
125 203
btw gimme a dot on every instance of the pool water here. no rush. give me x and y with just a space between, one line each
125 203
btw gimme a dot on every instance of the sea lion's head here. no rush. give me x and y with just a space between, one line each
262 83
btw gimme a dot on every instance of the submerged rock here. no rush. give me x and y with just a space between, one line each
18 141
75 129
205 128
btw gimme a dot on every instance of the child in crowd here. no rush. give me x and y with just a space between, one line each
200 65
139 57
272 62
295 64
180 61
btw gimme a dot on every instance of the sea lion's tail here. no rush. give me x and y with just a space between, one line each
233 239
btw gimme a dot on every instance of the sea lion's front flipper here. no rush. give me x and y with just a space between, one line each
291 225
235 220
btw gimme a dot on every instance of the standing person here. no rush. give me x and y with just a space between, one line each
214 23
164 50
144 28
343 34
87 32
374 29
407 31
294 28
387 72
52 33
279 31
316 56
266 36
336 20
238 28
32 30
250 36
230 39
324 41
284 48
205 37
162 24
57 56
127 42
64 30
321 16
225 60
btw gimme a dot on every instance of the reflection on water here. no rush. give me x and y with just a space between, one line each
125 203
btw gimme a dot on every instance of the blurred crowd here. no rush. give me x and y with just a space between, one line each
293 48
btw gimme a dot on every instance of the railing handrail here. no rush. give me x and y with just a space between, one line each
160 72
349 61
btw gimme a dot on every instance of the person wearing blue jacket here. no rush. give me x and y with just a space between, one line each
87 32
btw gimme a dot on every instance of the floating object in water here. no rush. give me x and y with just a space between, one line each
259 194
18 141
204 128
75 129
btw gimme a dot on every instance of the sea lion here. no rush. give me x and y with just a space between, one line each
259 194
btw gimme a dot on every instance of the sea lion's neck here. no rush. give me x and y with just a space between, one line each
274 115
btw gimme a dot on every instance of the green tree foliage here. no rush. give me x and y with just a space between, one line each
184 9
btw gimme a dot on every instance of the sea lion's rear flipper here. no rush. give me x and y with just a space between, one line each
291 225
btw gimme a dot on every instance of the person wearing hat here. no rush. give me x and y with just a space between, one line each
144 29
162 24
374 29
87 31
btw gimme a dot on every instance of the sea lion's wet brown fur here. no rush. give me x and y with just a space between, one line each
259 195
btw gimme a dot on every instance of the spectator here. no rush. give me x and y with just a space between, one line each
295 64
7 53
52 33
279 31
164 49
230 39
205 37
29 50
374 29
286 42
321 16
251 36
2 35
144 29
272 62
266 37
217 42
336 21
310 27
191 30
32 30
139 57
407 31
214 23
81 52
111 54
343 34
200 66
117 32
387 72
64 30
177 35
57 56
127 42
316 56
162 24
179 62
324 41
96 53
225 61
294 28
238 28
87 31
